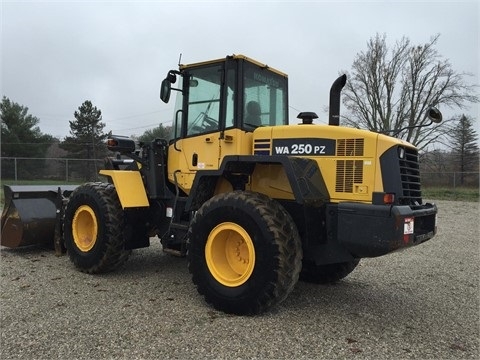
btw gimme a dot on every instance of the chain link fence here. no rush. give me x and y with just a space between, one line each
450 180
50 169
81 170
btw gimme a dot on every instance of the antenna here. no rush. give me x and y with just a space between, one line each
179 59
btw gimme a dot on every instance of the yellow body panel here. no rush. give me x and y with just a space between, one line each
129 187
209 149
223 186
349 174
364 163
271 179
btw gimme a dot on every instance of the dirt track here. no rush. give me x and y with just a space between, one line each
421 303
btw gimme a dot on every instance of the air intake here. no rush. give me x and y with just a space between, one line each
349 172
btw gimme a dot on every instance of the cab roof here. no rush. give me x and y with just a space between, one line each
239 56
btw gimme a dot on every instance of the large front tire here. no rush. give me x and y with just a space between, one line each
94 228
244 252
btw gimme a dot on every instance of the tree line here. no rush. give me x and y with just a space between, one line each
21 137
390 89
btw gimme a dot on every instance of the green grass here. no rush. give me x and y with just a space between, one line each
457 194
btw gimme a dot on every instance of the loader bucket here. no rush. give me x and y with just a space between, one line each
32 214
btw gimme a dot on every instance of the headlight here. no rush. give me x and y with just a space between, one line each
401 152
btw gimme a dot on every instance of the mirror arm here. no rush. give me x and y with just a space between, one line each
433 114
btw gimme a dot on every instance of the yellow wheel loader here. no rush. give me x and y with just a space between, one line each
252 202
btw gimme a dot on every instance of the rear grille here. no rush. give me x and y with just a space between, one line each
410 177
349 172
350 147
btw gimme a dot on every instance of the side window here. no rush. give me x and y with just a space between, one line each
177 114
265 100
204 89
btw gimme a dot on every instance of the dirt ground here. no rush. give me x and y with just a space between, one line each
422 303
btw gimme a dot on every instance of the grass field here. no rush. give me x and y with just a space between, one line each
457 194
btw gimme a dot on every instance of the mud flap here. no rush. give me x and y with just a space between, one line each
33 214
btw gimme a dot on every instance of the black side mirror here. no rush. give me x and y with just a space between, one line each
171 77
434 115
166 89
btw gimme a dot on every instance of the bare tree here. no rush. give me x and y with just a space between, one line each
392 89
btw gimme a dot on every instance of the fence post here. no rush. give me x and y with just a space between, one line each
454 182
66 170
15 162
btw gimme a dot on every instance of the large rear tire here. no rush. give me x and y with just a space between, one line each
244 252
94 228
324 274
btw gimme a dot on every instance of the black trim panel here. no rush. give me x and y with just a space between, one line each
374 230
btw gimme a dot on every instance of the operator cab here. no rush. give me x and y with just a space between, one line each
231 93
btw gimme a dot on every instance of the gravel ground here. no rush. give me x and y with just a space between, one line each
419 304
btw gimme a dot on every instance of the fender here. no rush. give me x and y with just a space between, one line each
129 186
303 174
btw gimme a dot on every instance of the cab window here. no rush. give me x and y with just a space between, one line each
265 98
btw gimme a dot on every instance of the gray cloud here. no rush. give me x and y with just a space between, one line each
55 55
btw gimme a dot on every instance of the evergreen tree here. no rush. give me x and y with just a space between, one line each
21 137
87 140
464 147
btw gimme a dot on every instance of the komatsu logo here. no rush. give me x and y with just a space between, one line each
269 80
303 147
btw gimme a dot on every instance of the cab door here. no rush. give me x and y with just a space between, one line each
198 124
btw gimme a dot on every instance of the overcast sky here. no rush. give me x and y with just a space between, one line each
57 54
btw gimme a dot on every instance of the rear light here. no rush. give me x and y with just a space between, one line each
381 198
388 198
112 143
122 144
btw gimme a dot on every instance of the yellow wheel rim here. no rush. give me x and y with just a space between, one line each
85 228
230 254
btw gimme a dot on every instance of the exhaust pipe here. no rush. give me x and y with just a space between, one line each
334 108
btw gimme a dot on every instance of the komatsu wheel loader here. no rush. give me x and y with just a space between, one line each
252 202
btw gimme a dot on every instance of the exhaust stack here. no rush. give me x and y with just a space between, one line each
334 108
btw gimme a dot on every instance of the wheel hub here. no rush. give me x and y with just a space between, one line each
84 228
230 254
